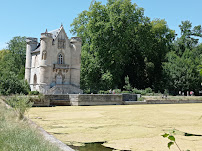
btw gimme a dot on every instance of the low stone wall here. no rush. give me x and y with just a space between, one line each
96 99
172 101
101 99
61 99
40 101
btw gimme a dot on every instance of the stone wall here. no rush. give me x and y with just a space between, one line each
61 99
172 101
96 99
101 99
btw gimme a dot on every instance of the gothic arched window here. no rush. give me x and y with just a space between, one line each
35 79
60 59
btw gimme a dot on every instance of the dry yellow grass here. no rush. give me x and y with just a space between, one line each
135 127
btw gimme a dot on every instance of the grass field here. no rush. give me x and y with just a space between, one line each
18 135
134 127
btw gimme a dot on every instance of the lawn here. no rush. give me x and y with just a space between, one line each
134 127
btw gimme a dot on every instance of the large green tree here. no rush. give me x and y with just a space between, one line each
181 68
119 41
12 67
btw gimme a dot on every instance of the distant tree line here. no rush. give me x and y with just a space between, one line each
120 41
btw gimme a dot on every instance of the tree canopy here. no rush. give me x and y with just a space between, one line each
119 41
12 67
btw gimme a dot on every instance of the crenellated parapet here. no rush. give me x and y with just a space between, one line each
31 40
46 35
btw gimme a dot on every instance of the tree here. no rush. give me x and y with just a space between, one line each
118 40
12 67
10 84
181 68
14 58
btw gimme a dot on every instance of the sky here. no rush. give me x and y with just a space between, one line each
32 17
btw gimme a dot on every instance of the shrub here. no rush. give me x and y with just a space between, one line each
127 92
140 99
148 90
10 84
34 93
103 92
136 91
117 91
127 87
20 103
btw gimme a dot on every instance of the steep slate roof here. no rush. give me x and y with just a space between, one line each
55 33
37 49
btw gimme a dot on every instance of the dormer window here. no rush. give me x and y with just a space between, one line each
61 43
60 59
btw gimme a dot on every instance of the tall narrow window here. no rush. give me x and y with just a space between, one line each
60 59
35 79
44 55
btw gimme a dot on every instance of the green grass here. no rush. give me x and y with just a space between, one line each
18 135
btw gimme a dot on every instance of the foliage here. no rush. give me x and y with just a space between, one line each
34 93
181 68
118 40
126 92
127 86
11 84
136 91
117 91
148 90
12 67
140 99
20 103
172 140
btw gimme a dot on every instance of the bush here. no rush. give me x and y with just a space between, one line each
127 86
136 91
10 84
140 99
20 103
148 90
117 91
34 93
126 92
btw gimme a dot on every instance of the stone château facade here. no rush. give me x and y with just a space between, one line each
53 65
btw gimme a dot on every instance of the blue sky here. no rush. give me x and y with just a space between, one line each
32 17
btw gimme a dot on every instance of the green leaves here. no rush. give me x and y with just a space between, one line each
170 144
12 67
165 135
172 138
118 39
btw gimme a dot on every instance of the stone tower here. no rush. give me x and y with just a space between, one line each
31 45
53 65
